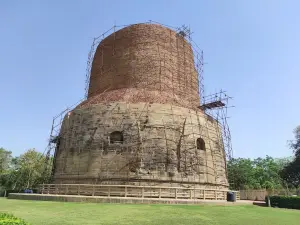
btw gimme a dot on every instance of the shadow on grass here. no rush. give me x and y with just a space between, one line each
258 203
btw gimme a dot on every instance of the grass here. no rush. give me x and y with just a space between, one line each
46 213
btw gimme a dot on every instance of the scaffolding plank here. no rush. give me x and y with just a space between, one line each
211 105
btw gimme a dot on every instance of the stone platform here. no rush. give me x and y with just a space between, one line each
124 200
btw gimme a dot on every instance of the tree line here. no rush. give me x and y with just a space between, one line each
25 171
268 172
30 169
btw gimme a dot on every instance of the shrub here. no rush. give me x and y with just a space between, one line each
8 219
7 192
288 202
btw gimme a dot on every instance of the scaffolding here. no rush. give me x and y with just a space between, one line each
214 106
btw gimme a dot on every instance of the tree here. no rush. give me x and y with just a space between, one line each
282 162
31 168
255 174
295 144
240 173
5 160
266 172
26 171
291 172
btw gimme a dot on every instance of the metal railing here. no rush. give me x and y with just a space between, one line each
135 191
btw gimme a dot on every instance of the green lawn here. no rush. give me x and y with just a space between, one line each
44 213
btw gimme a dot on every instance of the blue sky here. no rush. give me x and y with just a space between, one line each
251 49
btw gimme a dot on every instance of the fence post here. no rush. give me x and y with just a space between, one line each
108 191
48 188
269 203
216 195
159 194
93 194
125 191
204 194
143 192
175 193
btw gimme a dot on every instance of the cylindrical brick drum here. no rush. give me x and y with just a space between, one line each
145 63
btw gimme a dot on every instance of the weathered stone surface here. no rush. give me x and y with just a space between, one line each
159 145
